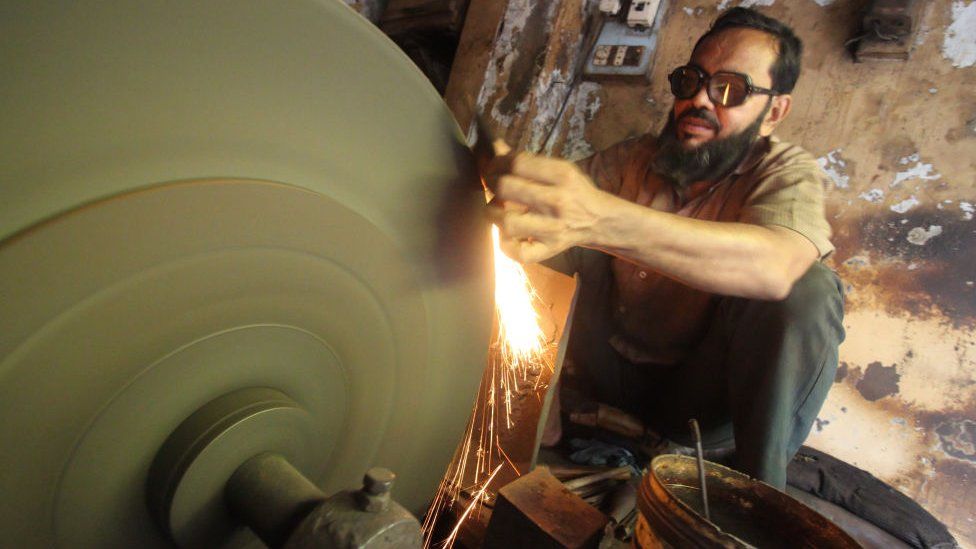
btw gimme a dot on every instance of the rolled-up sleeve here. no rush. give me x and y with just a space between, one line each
791 195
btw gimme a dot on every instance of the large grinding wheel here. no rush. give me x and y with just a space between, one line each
253 213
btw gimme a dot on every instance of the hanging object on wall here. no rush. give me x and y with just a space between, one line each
627 39
887 31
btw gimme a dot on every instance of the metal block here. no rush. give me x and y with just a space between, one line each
888 30
538 511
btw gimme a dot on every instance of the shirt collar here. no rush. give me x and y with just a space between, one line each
755 154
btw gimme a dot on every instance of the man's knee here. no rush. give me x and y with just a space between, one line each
817 287
815 301
816 297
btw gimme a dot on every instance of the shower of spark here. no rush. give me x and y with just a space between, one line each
515 359
521 344
519 336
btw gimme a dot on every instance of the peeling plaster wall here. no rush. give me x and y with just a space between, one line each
898 143
958 45
530 93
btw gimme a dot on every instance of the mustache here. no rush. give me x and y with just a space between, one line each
704 114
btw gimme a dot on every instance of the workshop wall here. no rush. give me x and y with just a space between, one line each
898 142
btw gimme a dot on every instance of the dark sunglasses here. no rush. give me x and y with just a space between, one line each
729 89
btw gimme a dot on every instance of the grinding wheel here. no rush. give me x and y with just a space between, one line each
257 212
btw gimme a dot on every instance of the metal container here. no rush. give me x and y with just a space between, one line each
745 512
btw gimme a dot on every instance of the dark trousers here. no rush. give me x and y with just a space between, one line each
757 379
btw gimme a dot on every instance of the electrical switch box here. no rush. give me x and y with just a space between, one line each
642 13
626 43
610 7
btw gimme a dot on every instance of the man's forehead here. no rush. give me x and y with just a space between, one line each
744 50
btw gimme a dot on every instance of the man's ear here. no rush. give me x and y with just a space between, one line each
778 110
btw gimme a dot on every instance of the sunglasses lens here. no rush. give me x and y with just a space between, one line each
728 90
685 82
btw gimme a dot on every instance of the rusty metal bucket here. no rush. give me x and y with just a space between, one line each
745 512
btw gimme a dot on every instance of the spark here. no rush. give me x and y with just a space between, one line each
475 499
516 359
519 335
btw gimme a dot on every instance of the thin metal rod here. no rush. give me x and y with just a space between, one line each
619 473
696 434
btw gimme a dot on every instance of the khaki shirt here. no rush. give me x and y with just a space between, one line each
655 319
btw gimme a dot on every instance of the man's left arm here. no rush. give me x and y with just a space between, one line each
563 209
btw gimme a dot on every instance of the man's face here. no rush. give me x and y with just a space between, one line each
703 140
747 51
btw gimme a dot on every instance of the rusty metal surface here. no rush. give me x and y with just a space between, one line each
745 512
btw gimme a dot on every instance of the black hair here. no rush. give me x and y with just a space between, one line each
786 68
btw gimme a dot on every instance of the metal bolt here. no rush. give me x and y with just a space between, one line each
378 480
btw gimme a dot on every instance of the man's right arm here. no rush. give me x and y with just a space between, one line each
563 209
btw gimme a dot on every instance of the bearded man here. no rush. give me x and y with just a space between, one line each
701 288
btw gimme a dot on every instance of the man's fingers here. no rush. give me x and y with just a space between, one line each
539 197
497 167
525 251
516 224
525 236
535 251
526 225
500 147
540 169
552 171
511 248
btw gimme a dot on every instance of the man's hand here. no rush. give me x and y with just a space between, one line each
543 206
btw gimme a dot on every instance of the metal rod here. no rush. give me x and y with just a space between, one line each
618 473
270 496
696 434
564 473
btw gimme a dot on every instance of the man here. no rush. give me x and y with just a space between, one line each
701 290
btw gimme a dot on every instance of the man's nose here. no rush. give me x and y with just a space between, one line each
701 99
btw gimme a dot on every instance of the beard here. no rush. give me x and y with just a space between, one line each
707 162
